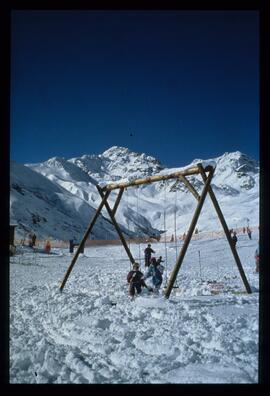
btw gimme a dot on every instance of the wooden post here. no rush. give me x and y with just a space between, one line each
117 227
91 225
189 187
182 253
227 233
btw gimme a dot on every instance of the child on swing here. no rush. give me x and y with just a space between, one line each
136 281
155 270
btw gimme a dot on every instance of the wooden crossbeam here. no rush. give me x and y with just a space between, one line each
194 170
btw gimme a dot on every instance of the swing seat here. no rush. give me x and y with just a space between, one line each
215 287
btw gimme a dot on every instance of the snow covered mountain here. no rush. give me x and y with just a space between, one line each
38 204
63 192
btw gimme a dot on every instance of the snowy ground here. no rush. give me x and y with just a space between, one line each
93 333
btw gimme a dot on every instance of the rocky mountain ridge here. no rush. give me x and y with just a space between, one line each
72 185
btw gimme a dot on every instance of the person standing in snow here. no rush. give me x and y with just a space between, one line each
34 237
47 247
136 280
30 240
159 260
234 239
257 258
155 270
159 266
249 232
147 255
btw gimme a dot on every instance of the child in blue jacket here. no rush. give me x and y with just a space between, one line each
155 270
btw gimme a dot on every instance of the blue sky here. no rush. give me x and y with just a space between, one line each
177 85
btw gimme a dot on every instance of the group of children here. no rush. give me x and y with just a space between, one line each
154 269
32 242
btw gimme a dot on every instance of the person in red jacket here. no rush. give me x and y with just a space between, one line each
47 247
136 281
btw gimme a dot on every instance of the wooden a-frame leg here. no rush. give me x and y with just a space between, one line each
227 233
91 225
189 187
116 204
117 227
182 253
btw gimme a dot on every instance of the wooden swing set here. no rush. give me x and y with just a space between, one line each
206 174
